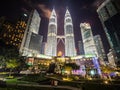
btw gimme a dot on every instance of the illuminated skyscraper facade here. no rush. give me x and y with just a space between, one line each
88 40
112 58
100 48
69 35
35 43
43 46
51 46
32 27
109 14
80 48
12 33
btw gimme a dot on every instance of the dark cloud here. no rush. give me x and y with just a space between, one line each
40 5
97 3
29 3
46 12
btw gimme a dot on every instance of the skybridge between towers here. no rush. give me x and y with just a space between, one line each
60 38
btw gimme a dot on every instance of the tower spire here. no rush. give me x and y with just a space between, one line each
67 12
53 12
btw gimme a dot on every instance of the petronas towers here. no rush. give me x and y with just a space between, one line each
51 47
52 37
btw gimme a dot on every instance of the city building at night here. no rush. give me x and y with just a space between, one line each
69 43
88 39
51 46
12 33
7 32
64 42
69 35
100 49
109 15
111 58
42 49
80 48
32 27
20 28
35 43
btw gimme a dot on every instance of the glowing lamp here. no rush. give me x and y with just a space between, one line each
60 53
92 72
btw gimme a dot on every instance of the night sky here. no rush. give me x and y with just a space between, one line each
81 11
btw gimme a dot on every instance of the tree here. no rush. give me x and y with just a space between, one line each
2 56
2 61
10 57
11 64
107 70
74 66
51 68
22 63
71 66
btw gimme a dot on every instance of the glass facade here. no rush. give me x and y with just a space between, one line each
111 24
80 48
87 34
88 40
35 22
32 27
111 9
35 42
100 48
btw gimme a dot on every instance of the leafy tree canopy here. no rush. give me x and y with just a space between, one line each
72 65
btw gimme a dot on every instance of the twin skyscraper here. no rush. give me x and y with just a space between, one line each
53 38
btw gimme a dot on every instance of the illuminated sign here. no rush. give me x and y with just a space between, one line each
84 56
30 61
44 56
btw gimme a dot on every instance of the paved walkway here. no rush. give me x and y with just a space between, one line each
49 86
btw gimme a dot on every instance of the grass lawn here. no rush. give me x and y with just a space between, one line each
15 81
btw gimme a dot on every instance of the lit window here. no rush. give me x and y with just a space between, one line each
12 37
5 35
6 42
